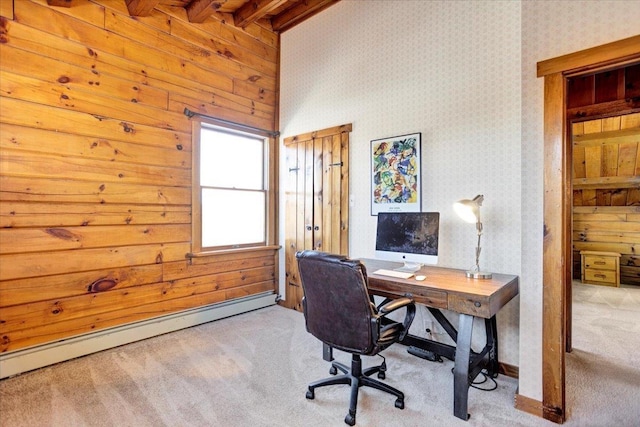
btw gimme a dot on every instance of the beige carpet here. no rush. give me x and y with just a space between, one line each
252 370
603 370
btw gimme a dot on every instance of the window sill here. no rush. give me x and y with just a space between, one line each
203 254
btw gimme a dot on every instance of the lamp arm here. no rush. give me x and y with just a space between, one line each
468 209
478 248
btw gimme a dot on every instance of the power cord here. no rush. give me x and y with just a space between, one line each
485 377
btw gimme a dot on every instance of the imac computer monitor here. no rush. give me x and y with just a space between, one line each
408 237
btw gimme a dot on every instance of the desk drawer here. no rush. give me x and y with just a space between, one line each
469 305
396 288
600 262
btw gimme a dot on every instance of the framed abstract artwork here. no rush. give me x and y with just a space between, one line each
395 174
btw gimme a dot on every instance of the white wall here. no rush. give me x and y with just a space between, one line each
463 74
551 29
397 67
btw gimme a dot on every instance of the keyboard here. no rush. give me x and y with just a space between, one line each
393 273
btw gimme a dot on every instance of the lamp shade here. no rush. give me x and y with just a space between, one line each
469 209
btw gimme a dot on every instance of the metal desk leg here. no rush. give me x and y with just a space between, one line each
461 368
492 342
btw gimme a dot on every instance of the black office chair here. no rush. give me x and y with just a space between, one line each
339 312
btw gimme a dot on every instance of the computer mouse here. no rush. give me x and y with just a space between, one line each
421 277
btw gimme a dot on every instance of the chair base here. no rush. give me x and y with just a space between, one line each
356 378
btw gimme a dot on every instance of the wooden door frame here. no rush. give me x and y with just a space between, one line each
557 247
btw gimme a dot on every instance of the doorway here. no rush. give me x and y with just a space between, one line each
603 134
557 247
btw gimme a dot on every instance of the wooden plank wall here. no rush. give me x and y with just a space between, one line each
95 163
606 196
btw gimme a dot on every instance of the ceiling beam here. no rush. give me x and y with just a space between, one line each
253 10
141 7
304 10
199 10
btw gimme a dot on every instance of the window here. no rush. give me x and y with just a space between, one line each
231 197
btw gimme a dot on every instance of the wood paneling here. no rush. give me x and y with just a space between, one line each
606 191
632 81
95 162
6 10
604 93
609 229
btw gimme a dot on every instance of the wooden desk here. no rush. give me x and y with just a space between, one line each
450 289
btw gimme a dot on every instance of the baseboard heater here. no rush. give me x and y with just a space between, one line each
19 361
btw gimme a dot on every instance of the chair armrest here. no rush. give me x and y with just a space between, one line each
396 304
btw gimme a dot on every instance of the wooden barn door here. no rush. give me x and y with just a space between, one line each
316 199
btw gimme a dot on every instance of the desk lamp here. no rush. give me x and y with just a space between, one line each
469 211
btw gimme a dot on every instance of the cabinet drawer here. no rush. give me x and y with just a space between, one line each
600 262
600 276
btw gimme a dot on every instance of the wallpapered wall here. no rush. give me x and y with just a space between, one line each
464 74
551 29
449 70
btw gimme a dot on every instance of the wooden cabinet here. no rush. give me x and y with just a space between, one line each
316 200
600 268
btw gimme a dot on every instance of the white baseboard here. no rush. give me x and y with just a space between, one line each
19 361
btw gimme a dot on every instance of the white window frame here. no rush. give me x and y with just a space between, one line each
268 186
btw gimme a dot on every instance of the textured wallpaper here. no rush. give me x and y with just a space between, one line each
551 29
463 73
450 70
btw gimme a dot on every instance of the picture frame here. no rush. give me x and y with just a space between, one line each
395 174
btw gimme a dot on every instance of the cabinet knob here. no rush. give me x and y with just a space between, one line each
308 227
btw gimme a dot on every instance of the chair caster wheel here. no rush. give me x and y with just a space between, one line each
333 370
381 375
350 419
310 394
399 403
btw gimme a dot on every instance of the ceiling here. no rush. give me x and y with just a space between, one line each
279 14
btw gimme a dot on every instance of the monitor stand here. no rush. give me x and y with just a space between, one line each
409 267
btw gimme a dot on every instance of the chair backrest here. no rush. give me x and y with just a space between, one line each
336 303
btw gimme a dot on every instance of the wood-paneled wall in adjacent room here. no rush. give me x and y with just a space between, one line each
606 191
95 167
